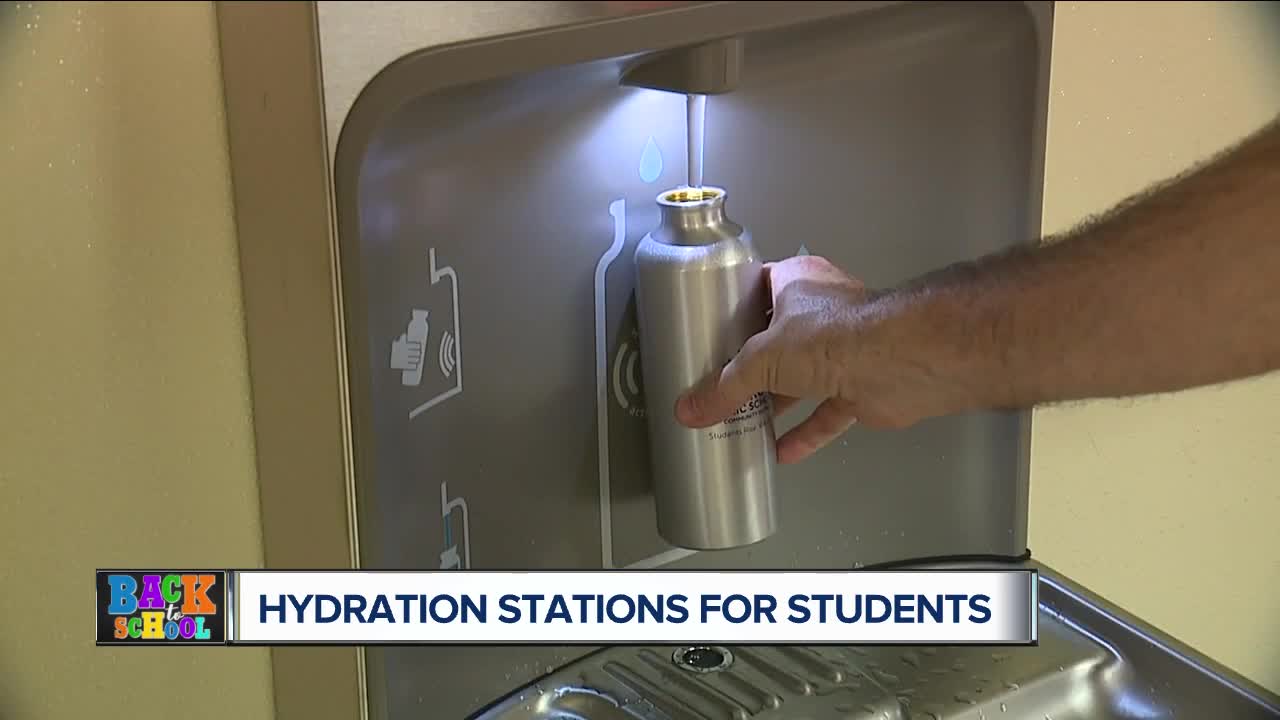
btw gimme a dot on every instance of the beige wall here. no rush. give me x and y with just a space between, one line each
125 432
1169 506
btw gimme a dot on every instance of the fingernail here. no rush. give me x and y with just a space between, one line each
684 409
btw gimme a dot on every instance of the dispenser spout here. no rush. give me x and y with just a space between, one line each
711 68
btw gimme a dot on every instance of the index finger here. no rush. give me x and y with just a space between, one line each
784 272
719 395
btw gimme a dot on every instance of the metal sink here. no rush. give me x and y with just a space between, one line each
1092 661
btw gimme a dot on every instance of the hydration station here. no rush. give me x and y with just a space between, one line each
443 208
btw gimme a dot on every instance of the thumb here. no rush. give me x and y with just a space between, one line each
720 394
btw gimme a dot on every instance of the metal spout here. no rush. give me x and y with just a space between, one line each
709 69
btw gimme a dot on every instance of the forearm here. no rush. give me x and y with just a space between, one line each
1177 288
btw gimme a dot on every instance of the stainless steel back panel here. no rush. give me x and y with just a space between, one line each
509 432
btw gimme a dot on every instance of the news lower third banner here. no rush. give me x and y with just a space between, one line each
615 607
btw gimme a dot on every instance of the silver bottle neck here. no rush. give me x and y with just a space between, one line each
687 211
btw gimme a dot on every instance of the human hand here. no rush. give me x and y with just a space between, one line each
871 359
802 355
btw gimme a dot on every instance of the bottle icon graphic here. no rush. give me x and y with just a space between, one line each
408 350
446 356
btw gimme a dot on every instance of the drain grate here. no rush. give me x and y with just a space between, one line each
703 659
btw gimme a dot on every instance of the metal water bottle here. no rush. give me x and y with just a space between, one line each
700 294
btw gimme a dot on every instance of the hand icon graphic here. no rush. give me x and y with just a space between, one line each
406 354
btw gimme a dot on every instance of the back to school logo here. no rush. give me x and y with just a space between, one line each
169 607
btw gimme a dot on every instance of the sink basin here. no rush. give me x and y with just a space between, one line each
1092 661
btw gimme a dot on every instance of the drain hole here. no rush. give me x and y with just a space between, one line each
703 659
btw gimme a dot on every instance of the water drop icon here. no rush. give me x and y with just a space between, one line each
802 251
650 161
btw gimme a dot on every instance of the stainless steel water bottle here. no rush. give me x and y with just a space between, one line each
700 294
